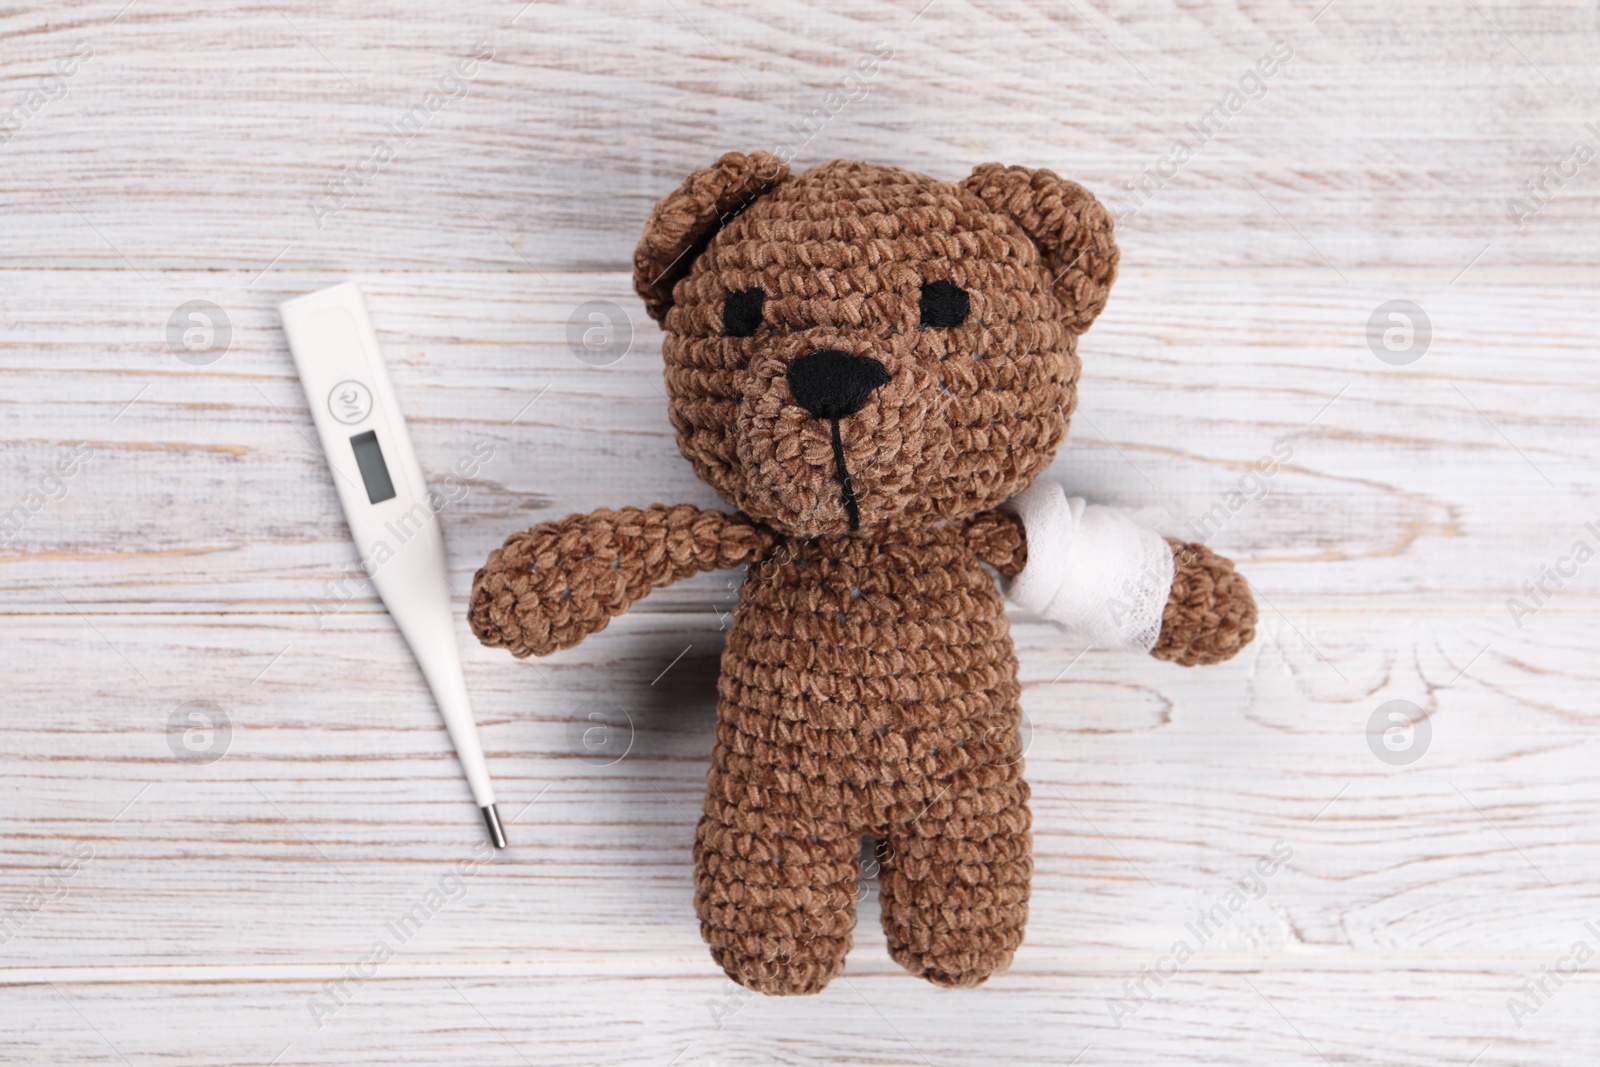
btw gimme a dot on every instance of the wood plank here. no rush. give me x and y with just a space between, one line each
202 139
1207 1016
206 492
338 802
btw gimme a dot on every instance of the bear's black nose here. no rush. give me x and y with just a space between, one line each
832 384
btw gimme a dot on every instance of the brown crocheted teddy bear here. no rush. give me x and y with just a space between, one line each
867 364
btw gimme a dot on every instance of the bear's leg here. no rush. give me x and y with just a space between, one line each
955 878
775 887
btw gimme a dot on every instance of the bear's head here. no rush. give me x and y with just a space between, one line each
863 348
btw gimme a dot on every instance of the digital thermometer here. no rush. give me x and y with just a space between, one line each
392 516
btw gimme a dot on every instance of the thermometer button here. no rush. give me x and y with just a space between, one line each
350 402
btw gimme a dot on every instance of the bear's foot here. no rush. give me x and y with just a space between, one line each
776 895
784 973
955 885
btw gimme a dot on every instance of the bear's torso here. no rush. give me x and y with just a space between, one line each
870 677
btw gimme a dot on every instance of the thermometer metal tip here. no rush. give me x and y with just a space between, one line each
491 819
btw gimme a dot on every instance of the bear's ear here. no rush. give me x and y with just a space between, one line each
1069 225
683 224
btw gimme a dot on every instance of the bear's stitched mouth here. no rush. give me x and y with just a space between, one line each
832 385
847 490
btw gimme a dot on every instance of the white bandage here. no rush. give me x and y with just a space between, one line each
1096 571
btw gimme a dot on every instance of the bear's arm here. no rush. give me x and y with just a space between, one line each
1210 614
550 587
999 541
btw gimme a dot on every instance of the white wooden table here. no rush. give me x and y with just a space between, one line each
181 152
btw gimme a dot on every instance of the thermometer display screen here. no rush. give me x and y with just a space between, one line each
374 472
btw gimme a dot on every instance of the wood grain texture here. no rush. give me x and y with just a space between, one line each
338 807
330 786
1189 380
197 552
198 134
496 1019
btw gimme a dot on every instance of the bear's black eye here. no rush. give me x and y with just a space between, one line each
741 314
944 304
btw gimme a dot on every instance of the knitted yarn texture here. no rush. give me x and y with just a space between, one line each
864 363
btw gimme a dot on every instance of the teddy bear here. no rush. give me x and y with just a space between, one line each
872 368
